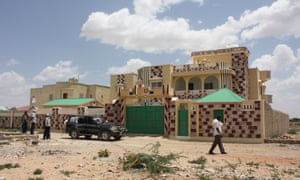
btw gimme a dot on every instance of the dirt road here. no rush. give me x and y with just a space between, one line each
65 158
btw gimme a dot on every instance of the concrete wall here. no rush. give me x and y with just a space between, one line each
276 122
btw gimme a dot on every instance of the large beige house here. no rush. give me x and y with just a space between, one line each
181 100
71 94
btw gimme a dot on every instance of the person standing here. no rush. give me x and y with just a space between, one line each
25 117
47 127
33 121
217 125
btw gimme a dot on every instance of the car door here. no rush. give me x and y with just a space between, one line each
81 121
92 126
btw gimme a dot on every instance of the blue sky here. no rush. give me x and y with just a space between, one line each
42 42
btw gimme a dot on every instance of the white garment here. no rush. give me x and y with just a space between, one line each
48 122
33 117
217 124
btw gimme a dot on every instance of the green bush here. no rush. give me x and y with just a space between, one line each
201 161
8 166
103 153
153 162
37 172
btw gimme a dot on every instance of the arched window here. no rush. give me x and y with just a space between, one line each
211 82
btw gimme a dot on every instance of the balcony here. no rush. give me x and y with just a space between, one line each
142 92
265 76
193 94
216 67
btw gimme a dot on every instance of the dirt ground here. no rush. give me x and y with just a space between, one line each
65 158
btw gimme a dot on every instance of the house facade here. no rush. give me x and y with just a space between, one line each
166 99
69 95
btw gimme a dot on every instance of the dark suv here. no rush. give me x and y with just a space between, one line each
83 125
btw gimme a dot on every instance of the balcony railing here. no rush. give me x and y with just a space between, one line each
204 67
193 94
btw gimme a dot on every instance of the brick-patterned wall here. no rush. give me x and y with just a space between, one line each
238 123
172 117
115 112
167 103
240 81
156 72
193 119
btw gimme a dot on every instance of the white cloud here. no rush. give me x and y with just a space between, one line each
282 59
284 85
12 62
60 71
150 8
13 89
281 19
131 66
143 31
148 34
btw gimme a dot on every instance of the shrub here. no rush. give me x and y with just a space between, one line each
37 172
153 162
103 153
201 161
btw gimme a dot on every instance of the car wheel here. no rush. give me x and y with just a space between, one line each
105 135
117 137
74 134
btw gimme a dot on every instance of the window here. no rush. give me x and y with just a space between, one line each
80 95
191 86
81 120
51 97
156 84
209 85
90 120
65 95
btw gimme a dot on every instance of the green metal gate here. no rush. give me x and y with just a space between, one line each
183 124
145 119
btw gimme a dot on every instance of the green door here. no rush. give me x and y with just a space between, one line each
219 113
145 119
183 122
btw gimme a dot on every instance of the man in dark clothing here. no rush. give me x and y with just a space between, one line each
47 127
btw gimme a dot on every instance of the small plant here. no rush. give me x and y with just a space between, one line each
8 166
270 165
37 172
153 163
250 171
67 173
232 166
289 171
38 178
201 161
253 164
103 153
205 177
292 131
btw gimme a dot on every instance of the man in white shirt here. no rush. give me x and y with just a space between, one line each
47 127
33 121
217 125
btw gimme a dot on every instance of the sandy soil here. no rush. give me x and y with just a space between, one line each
65 158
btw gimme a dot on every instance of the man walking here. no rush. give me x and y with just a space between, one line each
217 125
33 121
47 127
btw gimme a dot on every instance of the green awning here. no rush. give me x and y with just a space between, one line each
222 95
69 102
